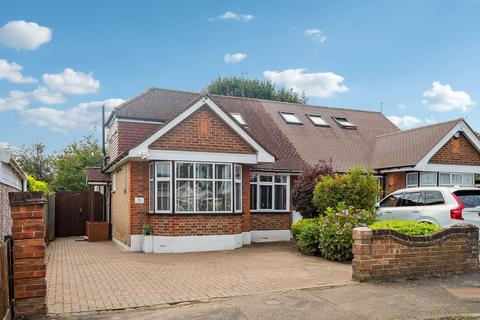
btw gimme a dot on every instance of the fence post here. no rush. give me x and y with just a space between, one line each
28 232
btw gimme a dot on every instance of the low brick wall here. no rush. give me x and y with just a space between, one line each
385 255
270 221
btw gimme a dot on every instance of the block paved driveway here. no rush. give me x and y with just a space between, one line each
83 276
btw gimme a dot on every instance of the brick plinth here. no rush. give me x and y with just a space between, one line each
97 231
28 232
270 221
386 255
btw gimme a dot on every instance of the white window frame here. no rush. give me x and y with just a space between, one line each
155 188
258 183
343 122
239 118
456 174
428 185
237 181
214 179
473 179
449 181
451 174
316 116
416 179
286 114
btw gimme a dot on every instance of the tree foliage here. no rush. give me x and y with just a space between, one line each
252 88
71 163
34 185
36 162
302 193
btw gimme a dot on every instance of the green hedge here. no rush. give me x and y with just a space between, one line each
409 228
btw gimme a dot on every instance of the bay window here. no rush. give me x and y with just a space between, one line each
269 192
198 187
447 179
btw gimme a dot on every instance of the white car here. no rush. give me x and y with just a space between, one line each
442 206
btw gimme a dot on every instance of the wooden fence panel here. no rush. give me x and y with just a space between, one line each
5 278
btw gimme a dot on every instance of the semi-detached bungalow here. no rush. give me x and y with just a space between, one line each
211 172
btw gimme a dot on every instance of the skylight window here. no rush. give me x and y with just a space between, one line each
239 118
345 123
317 120
290 118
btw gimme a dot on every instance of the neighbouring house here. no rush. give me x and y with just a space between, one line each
211 172
12 178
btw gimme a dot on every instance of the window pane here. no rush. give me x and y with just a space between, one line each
151 198
238 196
163 195
185 195
469 198
390 201
253 178
238 172
163 170
204 171
411 199
457 179
280 179
412 179
204 195
468 179
253 197
444 179
317 120
433 198
238 117
223 200
265 197
222 171
185 170
280 197
266 178
428 179
290 118
151 170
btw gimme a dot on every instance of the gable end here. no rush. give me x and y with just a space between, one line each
459 151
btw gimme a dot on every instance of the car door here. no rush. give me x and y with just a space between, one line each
411 206
388 206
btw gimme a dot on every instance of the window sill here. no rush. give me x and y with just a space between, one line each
194 214
270 211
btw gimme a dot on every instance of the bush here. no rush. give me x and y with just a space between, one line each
409 228
335 237
356 188
302 191
307 239
297 227
34 185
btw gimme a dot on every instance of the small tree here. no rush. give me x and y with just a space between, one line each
34 185
302 193
36 162
357 188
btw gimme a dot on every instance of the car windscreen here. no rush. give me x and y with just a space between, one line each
469 198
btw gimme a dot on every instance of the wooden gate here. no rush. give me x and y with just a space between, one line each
6 277
72 210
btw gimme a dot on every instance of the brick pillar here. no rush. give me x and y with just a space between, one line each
362 251
246 221
28 231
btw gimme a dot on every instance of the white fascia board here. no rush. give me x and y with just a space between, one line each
142 149
450 168
461 126
173 155
400 169
138 121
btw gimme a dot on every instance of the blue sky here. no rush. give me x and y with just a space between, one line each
60 60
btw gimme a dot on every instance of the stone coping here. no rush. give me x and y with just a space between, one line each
19 198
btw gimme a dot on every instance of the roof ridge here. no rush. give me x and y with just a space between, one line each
420 128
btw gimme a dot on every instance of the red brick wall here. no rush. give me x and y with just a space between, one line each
28 231
138 187
387 255
394 181
457 151
131 134
270 221
246 215
196 225
203 131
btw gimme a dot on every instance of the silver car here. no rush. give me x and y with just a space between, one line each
442 206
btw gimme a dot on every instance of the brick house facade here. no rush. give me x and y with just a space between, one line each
214 172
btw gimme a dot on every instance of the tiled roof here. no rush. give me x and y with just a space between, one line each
94 174
375 143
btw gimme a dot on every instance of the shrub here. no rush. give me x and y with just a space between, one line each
335 239
409 228
146 230
302 191
357 188
307 239
300 224
34 185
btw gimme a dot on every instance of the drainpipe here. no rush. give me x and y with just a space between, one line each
103 134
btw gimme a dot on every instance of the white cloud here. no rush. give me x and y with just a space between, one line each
71 82
5 145
229 15
402 106
235 57
408 122
84 115
17 100
13 72
47 96
20 34
442 98
319 84
315 34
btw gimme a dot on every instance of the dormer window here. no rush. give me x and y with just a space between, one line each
317 120
345 123
238 117
290 118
